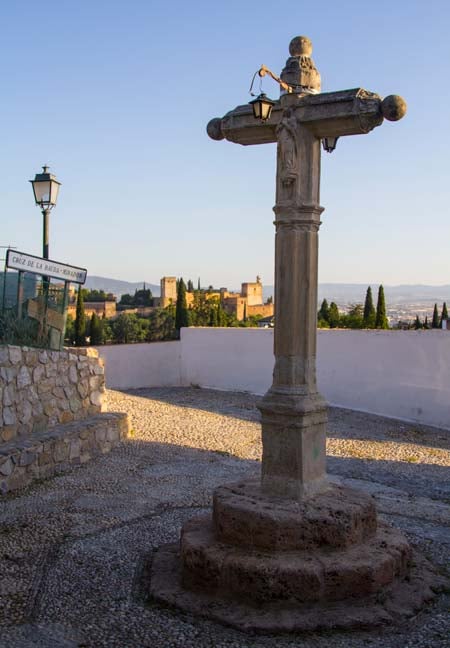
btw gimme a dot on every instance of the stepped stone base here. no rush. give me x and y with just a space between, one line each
275 565
50 452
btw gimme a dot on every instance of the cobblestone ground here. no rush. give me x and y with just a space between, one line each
72 547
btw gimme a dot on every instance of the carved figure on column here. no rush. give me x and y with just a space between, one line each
287 158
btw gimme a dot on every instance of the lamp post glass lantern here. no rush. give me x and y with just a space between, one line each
329 144
45 189
262 107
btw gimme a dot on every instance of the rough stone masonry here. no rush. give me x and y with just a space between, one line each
51 413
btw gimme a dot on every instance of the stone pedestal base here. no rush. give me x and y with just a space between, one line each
273 565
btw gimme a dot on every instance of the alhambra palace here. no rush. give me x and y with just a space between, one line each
249 301
241 304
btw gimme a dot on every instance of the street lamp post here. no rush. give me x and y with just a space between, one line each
45 188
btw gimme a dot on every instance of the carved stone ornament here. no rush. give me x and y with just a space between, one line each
368 107
300 72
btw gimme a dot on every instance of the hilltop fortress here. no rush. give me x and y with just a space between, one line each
247 302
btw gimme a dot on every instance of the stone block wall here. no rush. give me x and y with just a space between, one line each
58 448
40 389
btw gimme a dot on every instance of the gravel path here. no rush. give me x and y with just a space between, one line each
72 548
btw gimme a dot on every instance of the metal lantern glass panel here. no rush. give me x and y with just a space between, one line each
329 144
262 107
45 188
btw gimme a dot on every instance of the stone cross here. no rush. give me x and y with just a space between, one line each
293 411
295 552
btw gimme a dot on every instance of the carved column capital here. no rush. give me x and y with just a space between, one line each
302 218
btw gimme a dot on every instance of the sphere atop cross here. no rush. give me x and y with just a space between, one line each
300 73
300 46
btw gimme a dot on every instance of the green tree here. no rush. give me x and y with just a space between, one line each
126 300
128 328
107 335
425 324
222 318
381 320
80 320
143 297
96 330
333 315
214 316
435 320
369 310
354 319
324 312
69 334
190 286
162 324
181 312
444 314
200 311
97 296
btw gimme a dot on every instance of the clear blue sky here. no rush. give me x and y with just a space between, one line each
115 97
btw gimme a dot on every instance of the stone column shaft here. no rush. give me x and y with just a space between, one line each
293 412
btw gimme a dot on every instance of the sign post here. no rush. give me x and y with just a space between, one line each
52 321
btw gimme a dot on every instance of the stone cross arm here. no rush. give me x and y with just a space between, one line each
328 114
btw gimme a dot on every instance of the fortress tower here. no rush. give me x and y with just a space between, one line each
168 291
253 292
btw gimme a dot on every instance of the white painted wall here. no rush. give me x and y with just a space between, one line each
130 366
401 374
227 358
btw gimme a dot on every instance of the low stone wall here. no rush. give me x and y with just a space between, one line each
40 389
54 450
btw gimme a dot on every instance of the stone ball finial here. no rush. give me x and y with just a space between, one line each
300 46
393 107
214 129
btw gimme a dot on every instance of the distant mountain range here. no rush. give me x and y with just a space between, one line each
118 287
339 292
403 294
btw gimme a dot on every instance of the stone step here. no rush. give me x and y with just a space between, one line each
323 574
55 449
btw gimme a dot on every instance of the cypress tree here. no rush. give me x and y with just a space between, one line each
333 315
181 310
221 316
190 286
198 284
426 325
435 322
80 320
214 315
381 320
369 310
417 323
444 314
324 312
96 330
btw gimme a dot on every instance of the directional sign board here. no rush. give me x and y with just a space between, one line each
37 265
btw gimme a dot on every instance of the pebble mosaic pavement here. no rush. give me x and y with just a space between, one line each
74 548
